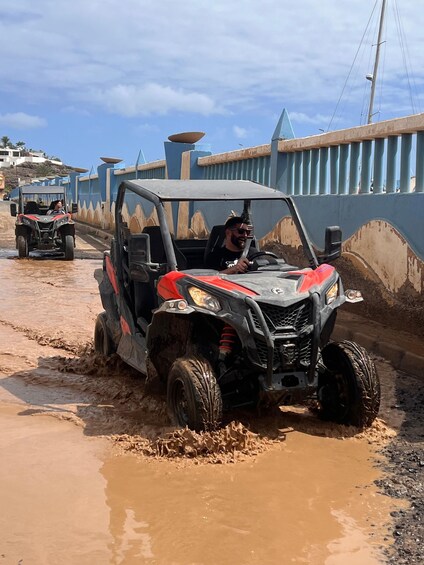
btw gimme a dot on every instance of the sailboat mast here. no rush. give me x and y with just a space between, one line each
377 58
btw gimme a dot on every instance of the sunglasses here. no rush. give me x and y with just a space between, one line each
242 231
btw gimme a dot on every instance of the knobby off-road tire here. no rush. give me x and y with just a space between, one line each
103 342
22 244
193 395
349 390
69 248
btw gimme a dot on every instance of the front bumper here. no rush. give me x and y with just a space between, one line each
286 342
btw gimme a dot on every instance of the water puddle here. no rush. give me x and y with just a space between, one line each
67 498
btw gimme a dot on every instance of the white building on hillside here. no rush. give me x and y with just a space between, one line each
12 157
8 156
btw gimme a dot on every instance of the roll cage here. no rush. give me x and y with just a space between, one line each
158 192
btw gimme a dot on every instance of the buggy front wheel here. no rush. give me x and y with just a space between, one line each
349 388
69 248
193 395
22 244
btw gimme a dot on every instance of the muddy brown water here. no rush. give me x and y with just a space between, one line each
92 472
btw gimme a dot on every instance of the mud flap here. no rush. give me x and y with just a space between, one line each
132 349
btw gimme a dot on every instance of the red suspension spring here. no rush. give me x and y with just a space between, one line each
227 341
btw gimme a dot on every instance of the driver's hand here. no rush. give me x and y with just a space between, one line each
241 266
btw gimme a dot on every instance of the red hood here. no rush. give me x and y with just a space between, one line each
312 278
292 283
167 288
36 217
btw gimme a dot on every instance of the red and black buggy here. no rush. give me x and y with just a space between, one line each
219 341
37 228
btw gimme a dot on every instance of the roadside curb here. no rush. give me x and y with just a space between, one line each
88 228
399 357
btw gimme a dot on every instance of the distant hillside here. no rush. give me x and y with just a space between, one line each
26 172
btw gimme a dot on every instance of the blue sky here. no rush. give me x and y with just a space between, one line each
83 79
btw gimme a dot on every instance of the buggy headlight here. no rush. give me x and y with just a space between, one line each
332 293
204 299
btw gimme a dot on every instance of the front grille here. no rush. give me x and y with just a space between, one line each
45 227
292 318
262 351
303 353
285 325
305 350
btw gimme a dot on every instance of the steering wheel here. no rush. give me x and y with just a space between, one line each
268 255
259 253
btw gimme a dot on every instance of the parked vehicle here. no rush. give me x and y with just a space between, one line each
217 340
38 227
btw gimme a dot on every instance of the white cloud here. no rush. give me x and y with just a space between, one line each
244 133
20 120
151 99
202 52
240 133
207 64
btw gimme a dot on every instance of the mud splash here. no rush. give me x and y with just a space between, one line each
126 410
236 442
232 443
136 420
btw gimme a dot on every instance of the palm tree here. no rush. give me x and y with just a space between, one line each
20 144
5 141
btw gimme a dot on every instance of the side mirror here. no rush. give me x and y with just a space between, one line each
74 208
333 244
13 209
139 248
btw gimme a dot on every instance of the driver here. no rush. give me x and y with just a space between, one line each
228 258
58 208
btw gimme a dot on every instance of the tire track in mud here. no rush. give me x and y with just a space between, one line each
57 341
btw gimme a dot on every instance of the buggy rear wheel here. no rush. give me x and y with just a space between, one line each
193 395
69 248
349 388
22 244
103 342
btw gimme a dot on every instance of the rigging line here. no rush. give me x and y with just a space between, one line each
402 43
350 70
400 38
382 74
354 79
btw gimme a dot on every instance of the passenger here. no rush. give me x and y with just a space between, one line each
58 208
228 258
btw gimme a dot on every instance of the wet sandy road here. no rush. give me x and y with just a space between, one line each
86 469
